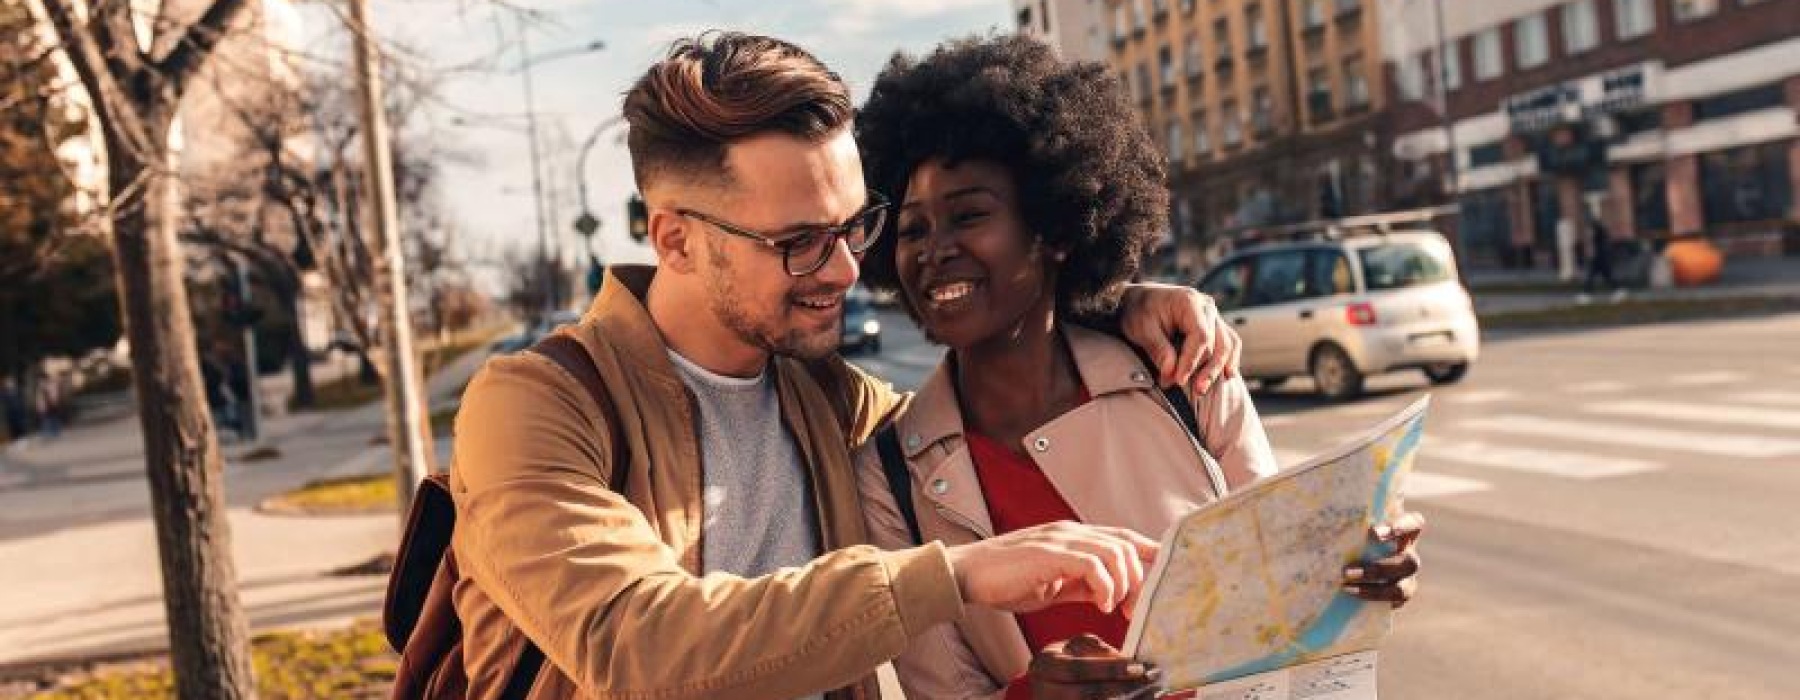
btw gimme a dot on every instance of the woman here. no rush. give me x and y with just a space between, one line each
1028 192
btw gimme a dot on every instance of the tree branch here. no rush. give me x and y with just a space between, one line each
90 61
190 52
110 23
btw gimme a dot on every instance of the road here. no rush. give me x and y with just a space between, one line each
1612 512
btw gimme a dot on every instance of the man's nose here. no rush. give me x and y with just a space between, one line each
840 267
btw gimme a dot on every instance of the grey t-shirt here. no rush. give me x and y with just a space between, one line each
758 506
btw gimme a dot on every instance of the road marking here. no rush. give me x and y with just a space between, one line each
1703 378
1480 397
1571 465
1779 398
1706 413
1597 387
1428 485
1275 421
1629 435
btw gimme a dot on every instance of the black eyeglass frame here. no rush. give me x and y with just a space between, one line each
877 207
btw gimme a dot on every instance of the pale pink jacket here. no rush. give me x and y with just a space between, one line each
1122 459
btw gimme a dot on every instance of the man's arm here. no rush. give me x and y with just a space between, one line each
581 571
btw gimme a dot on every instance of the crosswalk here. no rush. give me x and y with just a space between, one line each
1483 440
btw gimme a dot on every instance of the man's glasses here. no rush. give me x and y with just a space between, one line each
805 250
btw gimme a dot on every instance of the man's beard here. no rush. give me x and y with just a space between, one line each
727 305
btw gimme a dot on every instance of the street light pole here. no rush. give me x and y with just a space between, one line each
537 182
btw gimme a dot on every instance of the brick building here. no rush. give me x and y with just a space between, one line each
1663 117
1270 111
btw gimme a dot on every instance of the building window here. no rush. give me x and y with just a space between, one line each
1044 15
1410 78
1488 59
1531 41
1580 30
1165 63
1121 20
1025 19
1490 153
1634 18
1345 7
1451 73
1159 7
1259 34
1356 84
1175 141
1318 94
1313 14
1222 39
1144 88
1745 184
1187 6
1137 16
1125 82
1733 103
1262 110
1194 57
1689 10
1202 134
1233 126
1649 198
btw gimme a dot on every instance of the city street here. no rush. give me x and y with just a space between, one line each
1611 511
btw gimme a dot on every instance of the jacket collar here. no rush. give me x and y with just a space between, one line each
625 324
1106 364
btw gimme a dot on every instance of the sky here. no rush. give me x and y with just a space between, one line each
486 191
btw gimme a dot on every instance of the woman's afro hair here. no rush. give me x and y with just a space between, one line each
1090 181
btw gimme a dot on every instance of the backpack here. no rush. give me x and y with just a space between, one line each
899 478
418 615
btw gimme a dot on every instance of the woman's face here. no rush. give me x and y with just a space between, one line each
968 266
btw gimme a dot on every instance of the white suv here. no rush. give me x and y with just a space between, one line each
1340 310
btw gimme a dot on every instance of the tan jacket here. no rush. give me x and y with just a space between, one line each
608 584
1122 459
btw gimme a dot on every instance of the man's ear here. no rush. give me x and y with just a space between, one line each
673 236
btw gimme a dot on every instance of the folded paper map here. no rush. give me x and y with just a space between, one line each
1253 584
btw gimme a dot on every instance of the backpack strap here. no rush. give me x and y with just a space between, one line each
893 465
1184 409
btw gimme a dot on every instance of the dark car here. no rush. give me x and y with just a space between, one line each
862 328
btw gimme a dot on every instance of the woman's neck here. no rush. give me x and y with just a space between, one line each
1014 382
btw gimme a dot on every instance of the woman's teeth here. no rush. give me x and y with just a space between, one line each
952 292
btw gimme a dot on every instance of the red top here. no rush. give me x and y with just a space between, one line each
1019 496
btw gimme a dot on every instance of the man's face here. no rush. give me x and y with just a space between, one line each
782 184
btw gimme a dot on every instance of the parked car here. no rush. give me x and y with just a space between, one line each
1340 310
862 327
524 339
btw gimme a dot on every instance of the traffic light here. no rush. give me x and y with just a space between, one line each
639 217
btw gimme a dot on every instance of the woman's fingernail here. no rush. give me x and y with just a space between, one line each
1134 670
1352 590
1353 573
1382 531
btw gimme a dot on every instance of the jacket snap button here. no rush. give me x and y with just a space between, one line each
1139 377
912 441
940 487
1041 444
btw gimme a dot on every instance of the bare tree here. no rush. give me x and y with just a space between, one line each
136 92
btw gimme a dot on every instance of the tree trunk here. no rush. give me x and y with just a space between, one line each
208 635
298 354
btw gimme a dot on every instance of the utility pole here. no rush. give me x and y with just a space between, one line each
1453 175
405 404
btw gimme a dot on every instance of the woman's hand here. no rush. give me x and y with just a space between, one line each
1086 668
1391 579
1156 316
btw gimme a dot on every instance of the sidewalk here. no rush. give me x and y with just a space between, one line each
82 578
1741 278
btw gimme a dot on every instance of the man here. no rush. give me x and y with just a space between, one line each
730 562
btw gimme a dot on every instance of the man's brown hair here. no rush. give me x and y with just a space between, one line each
720 87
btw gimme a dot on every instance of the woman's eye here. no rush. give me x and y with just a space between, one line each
911 231
969 217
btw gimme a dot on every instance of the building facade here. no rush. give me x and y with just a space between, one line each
1075 28
1270 111
1656 117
